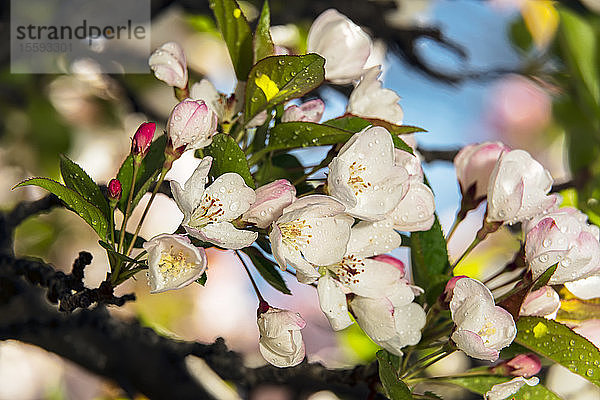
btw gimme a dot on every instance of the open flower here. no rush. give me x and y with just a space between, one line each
344 45
173 262
208 212
280 340
169 65
482 328
271 199
381 297
563 237
543 302
191 125
310 111
518 188
474 165
370 100
505 390
364 176
312 231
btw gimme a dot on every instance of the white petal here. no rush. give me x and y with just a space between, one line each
332 301
473 346
370 100
190 196
205 90
368 239
587 288
416 211
286 350
275 322
328 239
305 271
505 390
225 235
375 317
312 206
370 278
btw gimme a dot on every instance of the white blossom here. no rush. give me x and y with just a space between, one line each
173 262
280 340
169 65
208 212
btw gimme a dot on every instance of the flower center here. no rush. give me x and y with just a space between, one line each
293 233
356 182
487 331
173 263
208 211
349 269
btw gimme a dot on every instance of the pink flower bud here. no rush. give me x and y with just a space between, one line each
474 165
393 261
169 65
543 302
271 199
525 365
191 124
114 189
143 138
280 340
311 111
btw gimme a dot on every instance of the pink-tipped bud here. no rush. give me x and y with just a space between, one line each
114 190
142 139
525 365
393 261
271 199
191 125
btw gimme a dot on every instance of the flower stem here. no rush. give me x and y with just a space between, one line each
260 298
486 229
128 208
161 178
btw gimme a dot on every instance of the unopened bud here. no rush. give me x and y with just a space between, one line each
142 139
114 190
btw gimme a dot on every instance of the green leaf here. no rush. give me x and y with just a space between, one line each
148 171
118 255
236 33
354 123
202 279
578 41
394 388
277 79
76 179
89 212
293 135
483 383
139 241
560 344
429 257
263 44
267 269
228 157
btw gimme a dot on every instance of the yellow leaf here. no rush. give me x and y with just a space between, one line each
268 87
541 19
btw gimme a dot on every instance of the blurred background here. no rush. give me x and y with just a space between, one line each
507 70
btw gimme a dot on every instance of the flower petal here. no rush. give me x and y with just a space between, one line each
368 239
473 346
416 211
225 235
189 197
234 196
375 317
332 301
